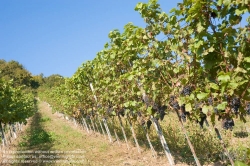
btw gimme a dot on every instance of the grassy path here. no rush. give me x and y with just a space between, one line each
52 139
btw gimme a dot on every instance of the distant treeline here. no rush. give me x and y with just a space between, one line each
20 76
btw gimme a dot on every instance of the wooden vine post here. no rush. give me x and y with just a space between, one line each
14 130
85 124
93 126
107 130
96 126
116 136
149 142
188 140
10 134
123 131
102 128
163 141
3 135
134 136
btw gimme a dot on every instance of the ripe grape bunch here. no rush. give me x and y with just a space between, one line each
186 91
228 124
183 113
235 104
173 103
210 101
161 111
248 108
216 111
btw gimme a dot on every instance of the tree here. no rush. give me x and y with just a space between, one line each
15 71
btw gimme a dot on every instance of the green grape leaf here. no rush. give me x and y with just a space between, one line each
202 96
224 78
214 86
222 106
188 107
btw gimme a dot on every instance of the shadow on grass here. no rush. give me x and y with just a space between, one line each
36 139
241 134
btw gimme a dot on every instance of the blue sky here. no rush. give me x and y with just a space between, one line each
57 36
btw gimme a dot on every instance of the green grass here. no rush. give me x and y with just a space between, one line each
48 134
45 119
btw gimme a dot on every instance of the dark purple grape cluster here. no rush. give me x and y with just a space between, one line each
228 124
235 104
155 106
183 109
149 123
186 91
173 103
183 113
172 98
226 97
216 111
161 111
210 101
183 117
248 108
